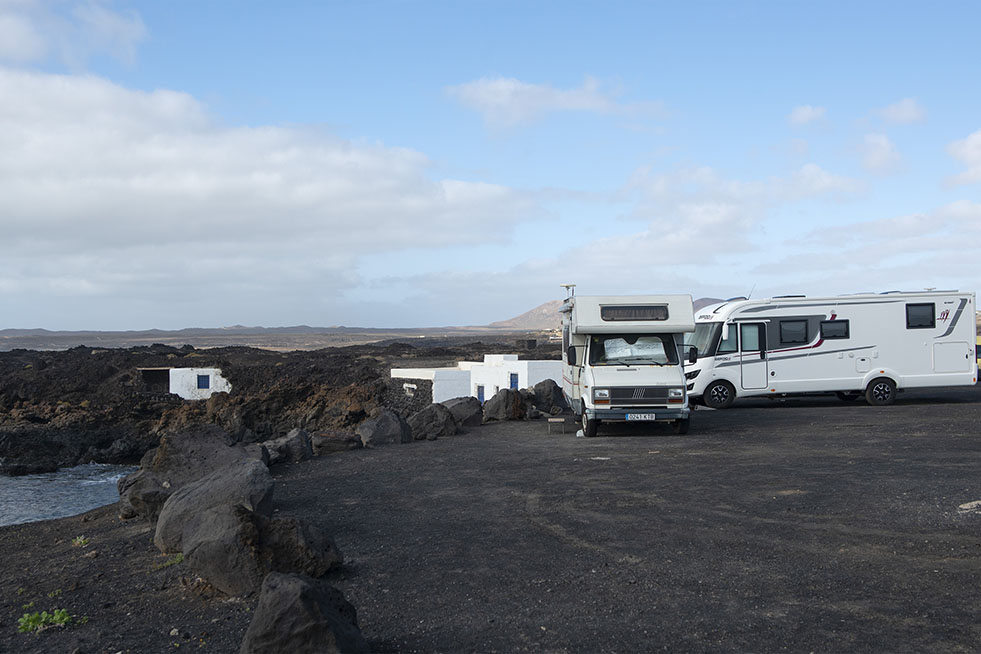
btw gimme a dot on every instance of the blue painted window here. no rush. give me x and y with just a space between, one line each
514 380
204 381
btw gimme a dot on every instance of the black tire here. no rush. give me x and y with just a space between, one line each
589 426
848 396
881 392
681 426
719 395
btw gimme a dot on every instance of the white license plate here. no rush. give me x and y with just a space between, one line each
641 416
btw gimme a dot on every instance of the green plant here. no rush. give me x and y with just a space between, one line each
84 404
174 560
80 541
29 605
55 593
21 590
37 622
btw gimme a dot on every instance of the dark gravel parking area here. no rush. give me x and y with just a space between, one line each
800 525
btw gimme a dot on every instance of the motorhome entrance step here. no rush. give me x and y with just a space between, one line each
556 421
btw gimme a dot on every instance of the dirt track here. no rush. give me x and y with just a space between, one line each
807 525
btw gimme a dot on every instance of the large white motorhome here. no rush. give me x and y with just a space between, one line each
852 345
623 358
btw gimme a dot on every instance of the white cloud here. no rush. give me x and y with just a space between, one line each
879 154
505 102
907 110
908 252
805 114
968 152
71 31
19 40
142 195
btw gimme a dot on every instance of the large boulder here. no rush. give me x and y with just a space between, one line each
221 545
294 447
232 547
248 483
549 398
467 411
291 545
507 404
180 458
385 428
301 615
335 440
432 422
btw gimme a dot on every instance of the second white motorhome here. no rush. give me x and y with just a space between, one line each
623 358
852 345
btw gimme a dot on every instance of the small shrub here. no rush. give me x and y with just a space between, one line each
55 593
80 541
174 560
84 404
37 622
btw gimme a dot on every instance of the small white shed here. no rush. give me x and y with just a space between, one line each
197 383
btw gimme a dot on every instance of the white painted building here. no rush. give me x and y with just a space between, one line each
482 379
197 383
188 383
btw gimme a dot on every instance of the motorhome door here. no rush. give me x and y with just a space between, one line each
752 348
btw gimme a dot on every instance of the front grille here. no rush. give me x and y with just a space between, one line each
638 396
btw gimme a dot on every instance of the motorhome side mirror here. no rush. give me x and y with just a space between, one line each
725 331
693 354
570 355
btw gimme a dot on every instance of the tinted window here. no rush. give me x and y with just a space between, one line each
204 381
728 344
921 316
642 312
834 329
752 337
793 331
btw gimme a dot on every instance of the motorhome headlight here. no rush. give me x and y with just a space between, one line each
691 375
676 395
601 395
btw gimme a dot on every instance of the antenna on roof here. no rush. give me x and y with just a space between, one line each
751 292
570 290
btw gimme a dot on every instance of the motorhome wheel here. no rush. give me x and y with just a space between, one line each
849 396
719 395
881 392
681 426
589 426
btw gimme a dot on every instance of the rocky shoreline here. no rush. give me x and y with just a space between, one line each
204 488
59 409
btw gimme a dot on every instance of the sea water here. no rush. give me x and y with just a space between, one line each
69 491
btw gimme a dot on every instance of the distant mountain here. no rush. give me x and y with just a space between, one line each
705 301
545 316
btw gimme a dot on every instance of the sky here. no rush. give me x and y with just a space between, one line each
422 164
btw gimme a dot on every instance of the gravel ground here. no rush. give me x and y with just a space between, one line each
800 525
805 525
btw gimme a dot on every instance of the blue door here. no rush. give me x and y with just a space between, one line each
514 380
480 393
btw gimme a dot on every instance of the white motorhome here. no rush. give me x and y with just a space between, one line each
852 345
623 358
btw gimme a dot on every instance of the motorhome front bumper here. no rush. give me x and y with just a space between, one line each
639 414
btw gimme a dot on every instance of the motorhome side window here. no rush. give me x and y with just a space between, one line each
921 316
728 344
831 329
793 331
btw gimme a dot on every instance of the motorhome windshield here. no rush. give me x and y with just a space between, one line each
620 349
705 338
